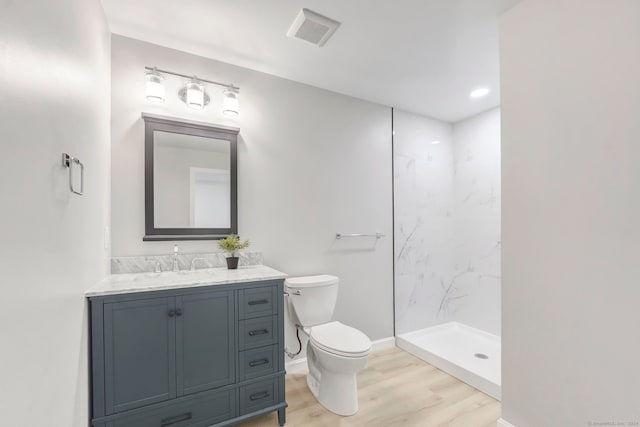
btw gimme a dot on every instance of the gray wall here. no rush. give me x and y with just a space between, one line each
54 98
311 163
571 204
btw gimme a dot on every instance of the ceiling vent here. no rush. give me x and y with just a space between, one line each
312 27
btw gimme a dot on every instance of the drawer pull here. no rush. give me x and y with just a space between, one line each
260 301
173 420
258 396
258 332
258 362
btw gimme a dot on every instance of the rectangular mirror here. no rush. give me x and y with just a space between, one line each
190 180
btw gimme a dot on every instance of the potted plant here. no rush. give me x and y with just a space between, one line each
231 245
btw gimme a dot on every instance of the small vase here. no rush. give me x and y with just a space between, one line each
232 262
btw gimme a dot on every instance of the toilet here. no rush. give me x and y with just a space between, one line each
335 352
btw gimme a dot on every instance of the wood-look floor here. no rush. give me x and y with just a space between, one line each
395 389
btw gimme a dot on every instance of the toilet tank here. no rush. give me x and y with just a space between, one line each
312 298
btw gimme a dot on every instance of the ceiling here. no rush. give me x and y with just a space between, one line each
423 56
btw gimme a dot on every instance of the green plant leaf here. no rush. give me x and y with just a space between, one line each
232 244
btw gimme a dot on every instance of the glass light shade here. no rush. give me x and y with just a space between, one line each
195 95
230 105
155 87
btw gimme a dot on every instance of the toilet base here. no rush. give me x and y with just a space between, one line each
336 389
338 393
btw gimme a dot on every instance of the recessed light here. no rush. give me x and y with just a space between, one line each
479 93
435 142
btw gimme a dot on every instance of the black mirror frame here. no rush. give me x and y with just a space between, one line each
154 123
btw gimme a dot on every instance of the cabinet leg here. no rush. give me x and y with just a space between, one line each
282 416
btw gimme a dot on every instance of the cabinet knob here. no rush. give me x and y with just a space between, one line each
172 313
178 312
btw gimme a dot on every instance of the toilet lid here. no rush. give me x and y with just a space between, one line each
340 339
311 281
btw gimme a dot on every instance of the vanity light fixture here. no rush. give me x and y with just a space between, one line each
193 93
230 105
155 86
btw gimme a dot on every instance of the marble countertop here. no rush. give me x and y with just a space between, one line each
146 282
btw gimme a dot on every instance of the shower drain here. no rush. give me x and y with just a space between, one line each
481 356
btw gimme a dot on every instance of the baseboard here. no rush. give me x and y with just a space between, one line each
383 344
296 366
503 423
300 365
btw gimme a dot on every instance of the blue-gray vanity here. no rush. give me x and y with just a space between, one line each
198 349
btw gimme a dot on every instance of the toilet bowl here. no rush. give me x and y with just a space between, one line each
335 352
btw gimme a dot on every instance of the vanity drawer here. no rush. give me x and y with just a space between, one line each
259 395
199 412
258 362
258 302
259 332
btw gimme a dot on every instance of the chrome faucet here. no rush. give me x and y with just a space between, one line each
193 263
176 266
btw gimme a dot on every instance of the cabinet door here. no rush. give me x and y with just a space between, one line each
205 340
139 341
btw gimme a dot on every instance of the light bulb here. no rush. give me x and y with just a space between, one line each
230 105
195 95
155 86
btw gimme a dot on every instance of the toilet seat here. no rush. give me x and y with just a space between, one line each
341 340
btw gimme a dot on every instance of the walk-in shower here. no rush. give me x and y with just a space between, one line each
447 244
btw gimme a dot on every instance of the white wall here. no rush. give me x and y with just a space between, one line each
311 163
477 220
54 98
571 205
447 221
424 234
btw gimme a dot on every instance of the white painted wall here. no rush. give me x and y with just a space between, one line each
571 205
447 221
477 220
311 163
54 98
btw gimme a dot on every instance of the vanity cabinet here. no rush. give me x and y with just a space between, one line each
199 356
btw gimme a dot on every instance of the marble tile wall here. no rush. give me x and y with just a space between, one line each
144 264
423 211
447 222
477 220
